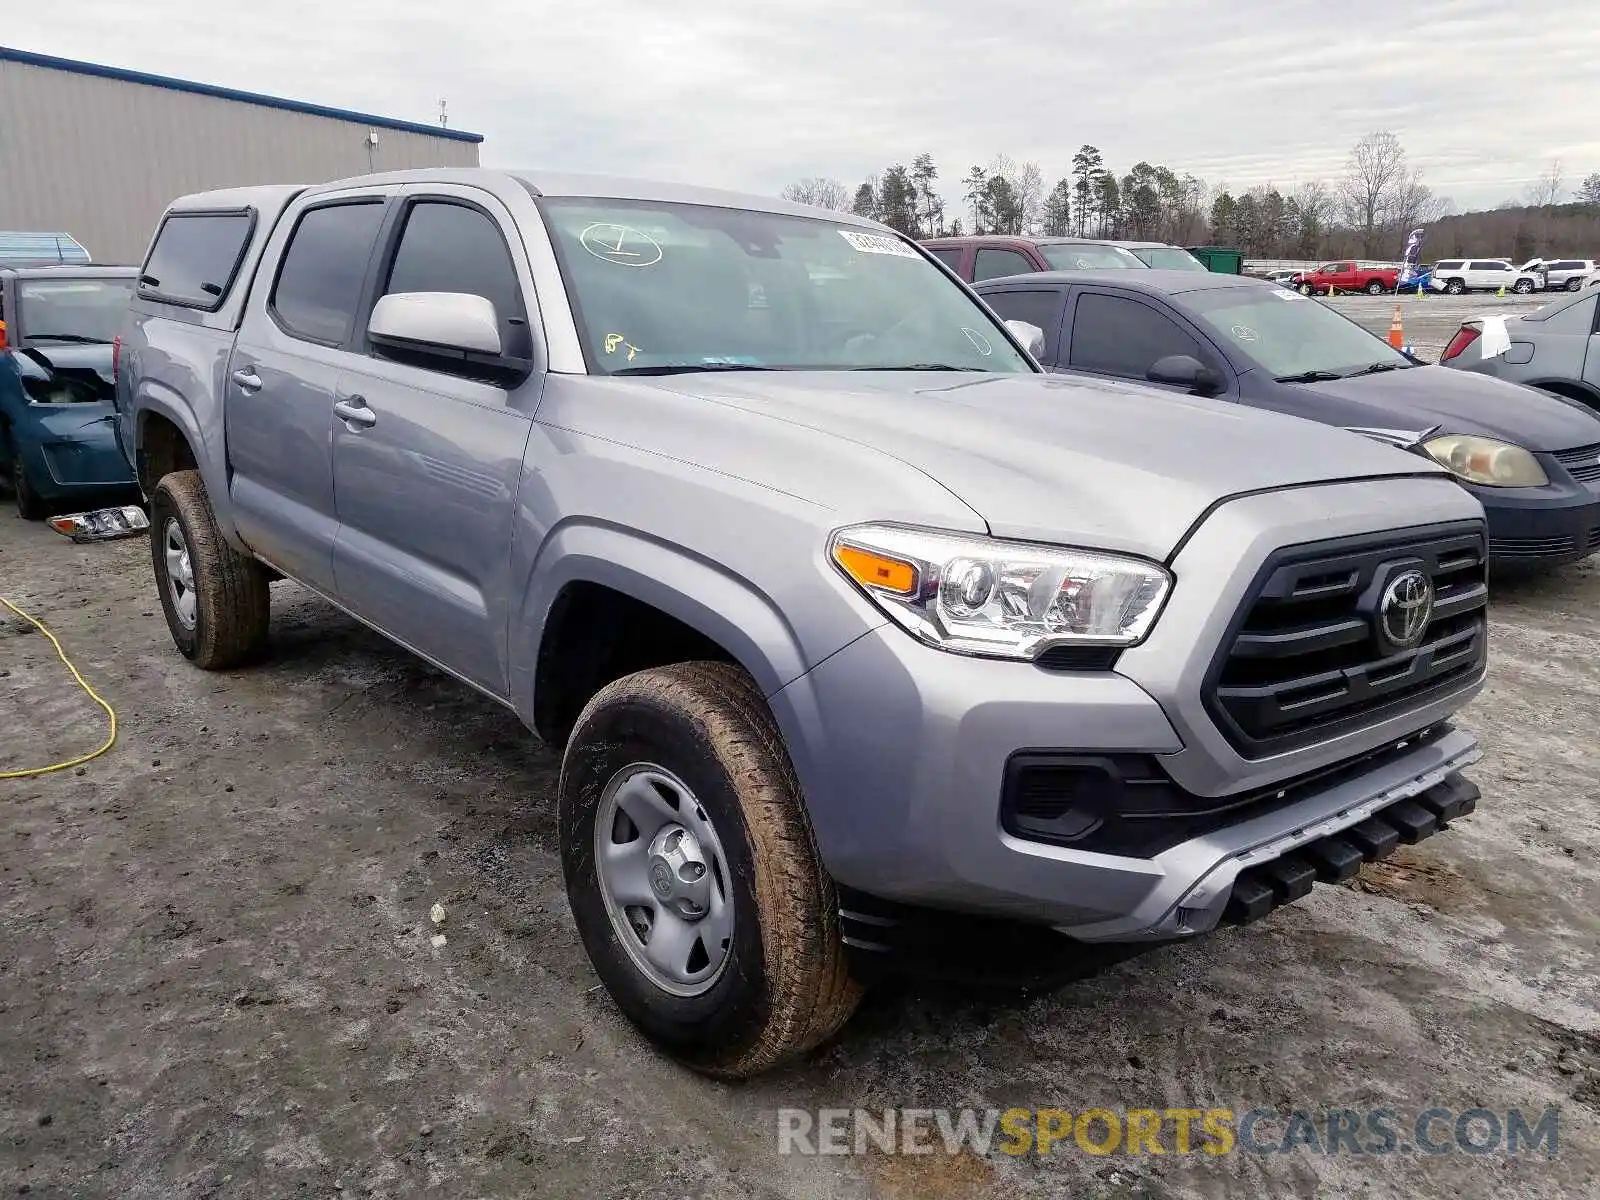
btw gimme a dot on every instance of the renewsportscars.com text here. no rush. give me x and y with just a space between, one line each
1160 1131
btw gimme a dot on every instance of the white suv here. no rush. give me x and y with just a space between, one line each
1457 275
1559 273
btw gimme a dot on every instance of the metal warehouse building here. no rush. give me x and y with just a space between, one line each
99 152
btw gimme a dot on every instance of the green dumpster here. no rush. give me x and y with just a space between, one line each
1219 259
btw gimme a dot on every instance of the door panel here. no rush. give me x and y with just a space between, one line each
426 492
425 501
279 450
283 378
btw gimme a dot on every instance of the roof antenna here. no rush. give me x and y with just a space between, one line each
444 119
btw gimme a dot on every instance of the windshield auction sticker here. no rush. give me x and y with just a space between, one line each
871 243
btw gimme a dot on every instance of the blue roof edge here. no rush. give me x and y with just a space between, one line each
29 58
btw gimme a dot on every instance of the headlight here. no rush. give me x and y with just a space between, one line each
1486 461
976 595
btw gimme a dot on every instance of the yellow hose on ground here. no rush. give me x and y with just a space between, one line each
93 695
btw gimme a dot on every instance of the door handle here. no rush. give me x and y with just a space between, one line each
247 379
354 412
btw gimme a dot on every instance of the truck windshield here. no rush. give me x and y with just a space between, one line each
1081 256
1170 258
1288 335
659 288
72 310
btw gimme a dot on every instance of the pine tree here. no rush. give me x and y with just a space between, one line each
1058 210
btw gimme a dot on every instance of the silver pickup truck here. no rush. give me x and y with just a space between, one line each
871 647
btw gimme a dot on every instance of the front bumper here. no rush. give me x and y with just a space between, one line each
903 751
1540 527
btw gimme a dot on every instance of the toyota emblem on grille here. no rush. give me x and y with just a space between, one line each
1405 609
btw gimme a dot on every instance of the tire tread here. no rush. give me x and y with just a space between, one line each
233 596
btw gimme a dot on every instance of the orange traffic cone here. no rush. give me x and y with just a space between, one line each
1397 330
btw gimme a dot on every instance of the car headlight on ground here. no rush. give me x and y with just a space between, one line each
977 595
1486 461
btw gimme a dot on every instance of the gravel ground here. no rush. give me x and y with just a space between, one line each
1431 320
217 976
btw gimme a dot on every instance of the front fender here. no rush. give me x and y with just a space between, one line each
702 594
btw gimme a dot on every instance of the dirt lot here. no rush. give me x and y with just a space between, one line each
218 979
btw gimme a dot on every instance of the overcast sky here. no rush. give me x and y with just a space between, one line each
1483 94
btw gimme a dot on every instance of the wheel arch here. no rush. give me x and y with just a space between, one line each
1569 389
602 602
168 437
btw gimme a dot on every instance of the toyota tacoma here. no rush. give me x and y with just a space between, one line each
867 644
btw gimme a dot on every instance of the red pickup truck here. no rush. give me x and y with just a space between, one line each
1346 277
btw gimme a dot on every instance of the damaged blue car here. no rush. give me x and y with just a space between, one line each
58 443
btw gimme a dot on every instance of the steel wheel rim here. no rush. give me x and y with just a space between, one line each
180 573
664 879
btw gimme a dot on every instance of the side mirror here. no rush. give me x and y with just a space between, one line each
449 321
1185 371
1030 336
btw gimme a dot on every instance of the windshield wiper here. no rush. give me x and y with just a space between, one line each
1309 377
1378 367
687 368
920 367
68 337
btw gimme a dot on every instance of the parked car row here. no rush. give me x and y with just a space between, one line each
872 645
1531 459
1454 276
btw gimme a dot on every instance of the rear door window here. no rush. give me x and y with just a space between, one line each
1116 336
1486 265
319 284
195 258
994 264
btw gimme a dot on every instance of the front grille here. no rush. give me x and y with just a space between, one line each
1304 659
1533 547
1582 463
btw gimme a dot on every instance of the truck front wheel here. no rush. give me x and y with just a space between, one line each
693 874
214 598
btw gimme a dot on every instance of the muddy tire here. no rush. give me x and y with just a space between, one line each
677 778
214 598
29 506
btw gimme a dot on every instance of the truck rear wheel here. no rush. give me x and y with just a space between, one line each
693 874
1375 288
214 598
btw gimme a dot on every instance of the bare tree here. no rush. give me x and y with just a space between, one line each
1029 186
1548 188
819 193
1374 175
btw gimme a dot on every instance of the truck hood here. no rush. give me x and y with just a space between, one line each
1054 459
1461 401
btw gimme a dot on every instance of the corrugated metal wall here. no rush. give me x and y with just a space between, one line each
101 158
